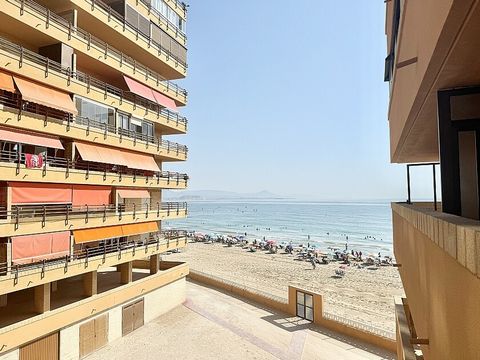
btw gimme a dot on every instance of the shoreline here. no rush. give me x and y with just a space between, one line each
363 295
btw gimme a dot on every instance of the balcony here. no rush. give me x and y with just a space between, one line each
42 119
63 171
24 62
67 309
438 257
36 219
59 29
14 277
99 18
146 9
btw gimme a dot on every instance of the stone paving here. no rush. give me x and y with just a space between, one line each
214 325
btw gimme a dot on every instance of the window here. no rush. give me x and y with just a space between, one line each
123 121
95 112
162 7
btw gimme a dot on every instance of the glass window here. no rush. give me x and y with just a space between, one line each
308 300
147 129
300 298
123 121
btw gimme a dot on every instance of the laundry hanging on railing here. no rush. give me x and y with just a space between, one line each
33 161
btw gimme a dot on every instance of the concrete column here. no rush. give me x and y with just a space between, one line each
90 283
3 300
154 264
126 272
42 298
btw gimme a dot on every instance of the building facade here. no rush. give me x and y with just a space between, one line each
87 101
433 69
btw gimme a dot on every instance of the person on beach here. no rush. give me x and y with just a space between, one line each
312 261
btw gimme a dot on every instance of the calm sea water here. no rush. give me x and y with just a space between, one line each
368 226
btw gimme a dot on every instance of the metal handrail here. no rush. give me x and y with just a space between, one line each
434 174
57 163
109 50
126 25
43 265
15 101
90 81
34 213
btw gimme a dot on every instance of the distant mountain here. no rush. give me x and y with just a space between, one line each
200 195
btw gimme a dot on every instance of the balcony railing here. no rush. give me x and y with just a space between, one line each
126 26
178 33
14 101
103 251
20 214
88 168
89 81
108 50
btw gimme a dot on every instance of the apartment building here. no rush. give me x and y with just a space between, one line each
433 68
87 101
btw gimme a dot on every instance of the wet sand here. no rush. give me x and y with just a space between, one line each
363 295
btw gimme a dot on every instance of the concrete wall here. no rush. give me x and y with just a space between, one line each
438 254
289 307
157 302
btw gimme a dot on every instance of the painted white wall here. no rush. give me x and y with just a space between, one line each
12 355
163 300
69 343
115 324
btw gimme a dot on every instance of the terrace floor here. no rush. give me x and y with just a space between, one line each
214 325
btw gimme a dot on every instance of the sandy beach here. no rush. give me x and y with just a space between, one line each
362 295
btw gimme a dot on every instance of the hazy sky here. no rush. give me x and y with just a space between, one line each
288 96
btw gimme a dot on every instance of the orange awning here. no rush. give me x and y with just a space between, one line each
133 194
141 228
30 138
108 155
110 232
46 96
96 234
139 89
6 81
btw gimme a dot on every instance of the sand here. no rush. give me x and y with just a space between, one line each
363 295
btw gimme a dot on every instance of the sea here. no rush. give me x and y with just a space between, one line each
365 227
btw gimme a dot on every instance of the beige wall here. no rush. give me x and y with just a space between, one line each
420 29
12 355
442 293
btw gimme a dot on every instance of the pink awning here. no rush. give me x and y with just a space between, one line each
165 101
92 195
33 248
139 89
133 194
30 138
40 193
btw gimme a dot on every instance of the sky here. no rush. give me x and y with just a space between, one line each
288 97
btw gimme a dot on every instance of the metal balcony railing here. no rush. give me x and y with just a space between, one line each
51 163
89 39
20 214
103 251
178 33
89 81
15 101
126 26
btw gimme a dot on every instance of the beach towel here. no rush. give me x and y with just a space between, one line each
33 161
